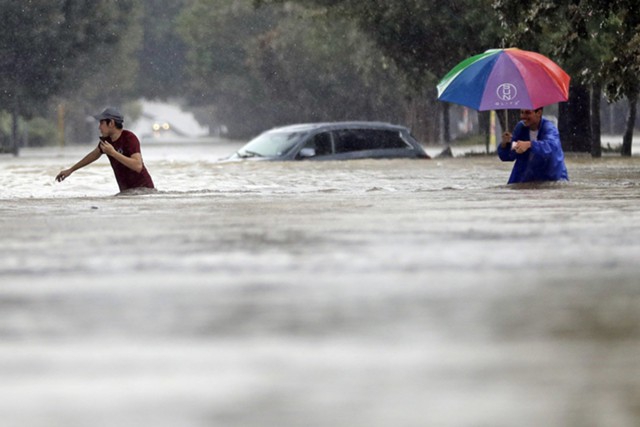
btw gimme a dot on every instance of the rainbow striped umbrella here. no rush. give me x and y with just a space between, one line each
505 79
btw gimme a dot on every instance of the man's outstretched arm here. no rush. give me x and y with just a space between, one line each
86 160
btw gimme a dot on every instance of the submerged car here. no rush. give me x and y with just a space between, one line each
333 141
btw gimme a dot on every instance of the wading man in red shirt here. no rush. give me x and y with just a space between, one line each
123 149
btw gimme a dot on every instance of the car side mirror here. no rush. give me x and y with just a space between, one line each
307 152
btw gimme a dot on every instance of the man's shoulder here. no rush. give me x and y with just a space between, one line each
129 136
128 133
544 122
547 125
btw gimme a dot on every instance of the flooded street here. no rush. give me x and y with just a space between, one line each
366 293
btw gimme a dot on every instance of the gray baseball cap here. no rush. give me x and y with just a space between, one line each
110 114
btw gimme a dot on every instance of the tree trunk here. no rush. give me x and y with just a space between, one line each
15 143
579 119
564 125
446 122
596 143
422 117
627 139
484 128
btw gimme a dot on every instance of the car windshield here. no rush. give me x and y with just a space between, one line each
270 144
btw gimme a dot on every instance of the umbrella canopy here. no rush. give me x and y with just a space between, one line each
503 79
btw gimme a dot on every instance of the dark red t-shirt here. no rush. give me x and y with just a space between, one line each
129 144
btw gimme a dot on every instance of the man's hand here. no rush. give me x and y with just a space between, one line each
63 175
506 139
107 148
134 162
521 146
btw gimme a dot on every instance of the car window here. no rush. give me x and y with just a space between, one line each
271 144
368 139
321 143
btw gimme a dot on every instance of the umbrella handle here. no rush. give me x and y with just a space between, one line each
506 120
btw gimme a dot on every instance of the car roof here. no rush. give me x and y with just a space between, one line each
306 127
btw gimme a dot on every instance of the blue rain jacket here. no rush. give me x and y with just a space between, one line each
544 161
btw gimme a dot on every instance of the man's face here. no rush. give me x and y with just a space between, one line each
105 127
531 118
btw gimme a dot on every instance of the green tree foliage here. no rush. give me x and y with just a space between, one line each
281 64
44 45
218 34
107 76
321 69
424 39
162 51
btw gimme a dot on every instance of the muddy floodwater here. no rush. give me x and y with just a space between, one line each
368 293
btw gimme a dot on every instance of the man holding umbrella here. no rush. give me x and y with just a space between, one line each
535 147
511 78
